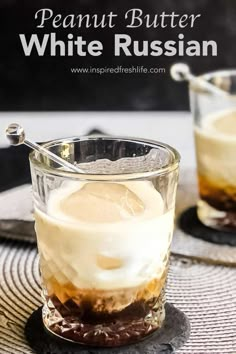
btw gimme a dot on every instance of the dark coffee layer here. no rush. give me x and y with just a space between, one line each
173 333
102 301
82 324
85 312
220 198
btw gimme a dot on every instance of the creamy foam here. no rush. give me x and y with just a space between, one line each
215 147
104 235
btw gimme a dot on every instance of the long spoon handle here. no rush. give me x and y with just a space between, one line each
181 72
16 135
52 156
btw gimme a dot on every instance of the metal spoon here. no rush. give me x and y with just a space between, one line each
16 135
181 72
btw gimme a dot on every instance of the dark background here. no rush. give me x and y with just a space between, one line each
45 83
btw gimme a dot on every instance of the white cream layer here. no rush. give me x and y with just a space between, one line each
215 149
77 251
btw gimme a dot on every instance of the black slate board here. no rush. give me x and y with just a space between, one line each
174 333
190 224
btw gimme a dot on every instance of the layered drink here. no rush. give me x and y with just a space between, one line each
104 249
215 149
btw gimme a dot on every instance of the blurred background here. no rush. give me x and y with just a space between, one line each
45 83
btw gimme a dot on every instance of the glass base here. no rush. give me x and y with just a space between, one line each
216 219
121 330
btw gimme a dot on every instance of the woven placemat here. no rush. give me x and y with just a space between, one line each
205 293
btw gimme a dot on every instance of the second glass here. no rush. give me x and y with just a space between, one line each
215 138
104 237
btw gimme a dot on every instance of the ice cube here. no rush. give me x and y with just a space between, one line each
102 202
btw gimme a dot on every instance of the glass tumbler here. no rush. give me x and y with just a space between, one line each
104 237
215 139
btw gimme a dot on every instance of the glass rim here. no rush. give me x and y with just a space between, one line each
171 166
210 75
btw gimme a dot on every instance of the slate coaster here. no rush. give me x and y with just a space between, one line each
190 224
174 333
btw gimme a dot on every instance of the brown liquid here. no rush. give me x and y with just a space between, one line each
104 318
218 196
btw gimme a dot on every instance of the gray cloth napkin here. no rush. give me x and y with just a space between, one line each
16 214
